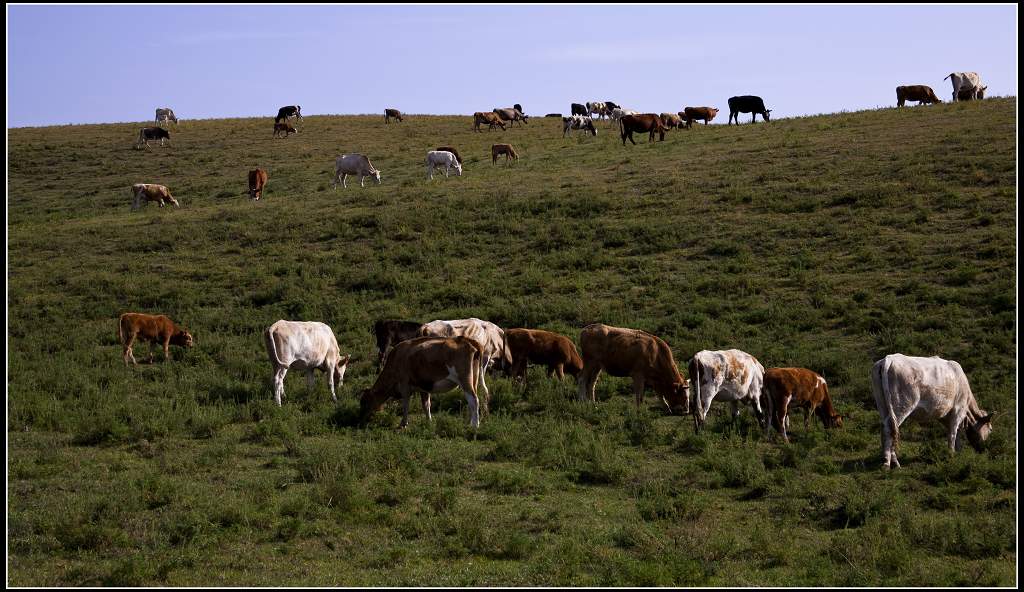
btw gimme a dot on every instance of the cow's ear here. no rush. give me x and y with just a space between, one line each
986 419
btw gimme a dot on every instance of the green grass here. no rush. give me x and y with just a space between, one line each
825 242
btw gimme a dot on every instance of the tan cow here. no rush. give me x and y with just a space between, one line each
798 387
491 119
152 328
151 192
553 350
671 120
690 114
257 181
506 149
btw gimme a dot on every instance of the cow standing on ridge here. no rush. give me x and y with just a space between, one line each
747 104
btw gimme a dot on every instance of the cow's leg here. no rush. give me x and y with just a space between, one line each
735 413
330 383
405 408
425 403
151 343
344 180
807 415
167 348
310 379
485 363
278 384
127 355
560 372
638 389
782 416
588 380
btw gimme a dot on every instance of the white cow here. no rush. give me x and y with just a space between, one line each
578 122
304 345
619 112
597 108
730 375
165 114
353 164
927 388
967 81
442 158
490 338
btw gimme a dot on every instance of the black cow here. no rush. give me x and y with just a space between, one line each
290 111
578 109
518 107
152 133
610 105
389 333
747 104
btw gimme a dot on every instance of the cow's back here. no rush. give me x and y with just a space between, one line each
309 342
620 351
933 386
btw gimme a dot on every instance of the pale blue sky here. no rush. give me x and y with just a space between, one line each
95 64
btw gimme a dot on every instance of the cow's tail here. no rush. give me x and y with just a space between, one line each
120 329
694 370
768 404
880 388
268 338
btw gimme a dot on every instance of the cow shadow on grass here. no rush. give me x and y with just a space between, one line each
229 393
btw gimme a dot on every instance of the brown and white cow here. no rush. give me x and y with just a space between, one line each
506 149
689 114
429 365
390 114
490 338
389 332
152 328
257 181
284 128
671 120
142 192
915 92
547 348
491 119
645 122
732 376
790 388
631 352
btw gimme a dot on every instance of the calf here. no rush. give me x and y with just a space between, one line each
689 114
452 150
648 122
391 332
284 128
733 376
630 352
442 158
151 192
506 149
392 113
152 133
304 345
969 94
491 119
798 387
555 351
747 104
151 328
257 181
353 164
915 92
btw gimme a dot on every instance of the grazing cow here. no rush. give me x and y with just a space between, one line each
969 81
926 388
798 387
284 128
290 111
304 345
151 192
915 92
968 94
442 158
257 181
152 133
487 335
671 120
610 106
596 108
578 122
518 108
689 114
506 149
151 328
618 113
165 114
491 119
578 109
747 104
452 150
510 114
390 332
429 365
353 164
553 350
647 122
631 352
730 375
389 113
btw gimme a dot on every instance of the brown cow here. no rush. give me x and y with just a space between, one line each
506 149
429 365
967 94
490 118
689 114
916 92
151 328
645 122
453 151
553 350
257 181
671 120
389 113
151 192
284 128
637 354
798 387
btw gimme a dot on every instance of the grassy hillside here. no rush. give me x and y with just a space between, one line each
824 242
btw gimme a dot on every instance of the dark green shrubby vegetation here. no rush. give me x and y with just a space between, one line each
825 242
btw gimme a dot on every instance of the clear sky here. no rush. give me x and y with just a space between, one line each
95 64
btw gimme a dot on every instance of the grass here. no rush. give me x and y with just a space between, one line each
825 242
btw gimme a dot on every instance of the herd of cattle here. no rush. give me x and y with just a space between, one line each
442 355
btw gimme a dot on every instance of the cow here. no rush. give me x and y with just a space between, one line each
152 133
916 92
798 387
618 113
490 338
926 389
556 115
391 332
645 358
491 119
969 81
578 122
452 150
731 375
429 365
747 104
671 120
506 149
392 113
610 106
151 192
510 114
290 111
442 158
689 114
596 108
304 345
353 164
578 109
284 128
257 181
536 346
519 108
647 122
968 94
152 328
165 114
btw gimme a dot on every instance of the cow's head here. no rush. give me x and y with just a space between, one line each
371 400
677 401
981 92
834 421
339 370
457 166
182 338
766 112
376 176
978 432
